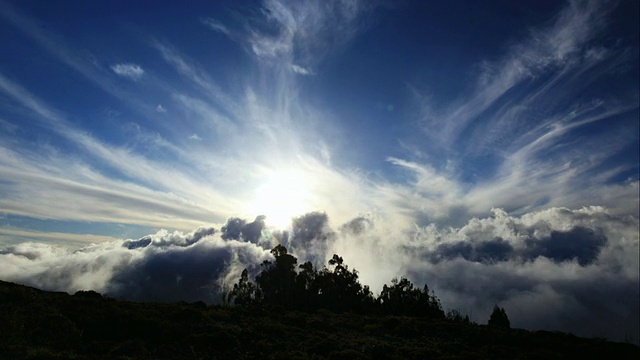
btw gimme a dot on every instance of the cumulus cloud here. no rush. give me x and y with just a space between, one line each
165 238
311 238
194 272
556 269
166 266
239 229
58 269
562 269
131 71
579 243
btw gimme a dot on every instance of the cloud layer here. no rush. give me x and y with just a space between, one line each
560 269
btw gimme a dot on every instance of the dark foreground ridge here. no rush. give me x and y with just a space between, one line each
37 324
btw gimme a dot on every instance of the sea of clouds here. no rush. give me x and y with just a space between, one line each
574 270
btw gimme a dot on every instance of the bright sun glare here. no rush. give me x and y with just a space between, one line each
283 195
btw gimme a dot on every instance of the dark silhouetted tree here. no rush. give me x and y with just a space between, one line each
306 287
339 289
335 288
244 292
499 318
399 298
277 280
402 298
455 316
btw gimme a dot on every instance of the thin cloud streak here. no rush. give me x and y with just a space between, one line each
143 170
217 26
16 235
131 71
198 77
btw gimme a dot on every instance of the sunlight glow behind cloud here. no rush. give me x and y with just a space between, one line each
283 195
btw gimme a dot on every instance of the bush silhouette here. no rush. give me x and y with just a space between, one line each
499 318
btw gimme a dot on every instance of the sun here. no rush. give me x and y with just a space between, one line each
282 196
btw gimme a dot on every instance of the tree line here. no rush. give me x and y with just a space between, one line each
284 283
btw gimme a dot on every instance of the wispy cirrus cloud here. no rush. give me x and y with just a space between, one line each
529 122
272 122
195 75
263 118
154 183
560 48
154 193
298 35
216 25
127 70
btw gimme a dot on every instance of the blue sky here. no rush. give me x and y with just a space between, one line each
429 123
180 115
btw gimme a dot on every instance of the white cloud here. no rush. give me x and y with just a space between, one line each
301 70
216 25
160 109
131 71
195 137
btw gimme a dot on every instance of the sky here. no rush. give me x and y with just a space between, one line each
488 149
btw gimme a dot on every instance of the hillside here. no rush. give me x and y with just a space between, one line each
37 324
